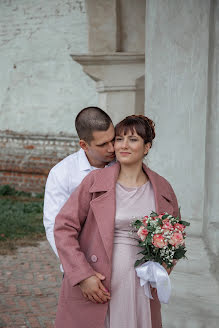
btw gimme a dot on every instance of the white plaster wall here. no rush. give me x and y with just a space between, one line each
211 208
41 88
176 96
132 25
103 29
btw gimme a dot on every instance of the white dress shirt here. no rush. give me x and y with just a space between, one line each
62 180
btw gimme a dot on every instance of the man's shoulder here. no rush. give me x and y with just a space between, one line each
67 161
71 161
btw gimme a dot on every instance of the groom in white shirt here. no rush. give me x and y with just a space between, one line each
96 133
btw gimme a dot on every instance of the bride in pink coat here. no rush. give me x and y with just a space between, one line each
100 288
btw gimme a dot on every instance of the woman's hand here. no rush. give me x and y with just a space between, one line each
93 289
169 270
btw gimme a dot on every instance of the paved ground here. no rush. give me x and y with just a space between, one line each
30 281
194 301
29 287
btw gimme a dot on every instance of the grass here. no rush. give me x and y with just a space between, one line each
21 221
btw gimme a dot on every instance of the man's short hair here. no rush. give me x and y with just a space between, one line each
91 119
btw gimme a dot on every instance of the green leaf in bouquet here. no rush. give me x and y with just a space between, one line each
138 262
137 224
169 265
165 216
144 252
160 222
185 223
150 228
158 259
153 214
148 238
179 253
141 243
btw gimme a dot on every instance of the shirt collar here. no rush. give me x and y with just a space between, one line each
84 164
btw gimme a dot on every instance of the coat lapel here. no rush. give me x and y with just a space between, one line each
161 193
104 206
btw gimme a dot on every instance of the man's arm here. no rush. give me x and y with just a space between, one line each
56 194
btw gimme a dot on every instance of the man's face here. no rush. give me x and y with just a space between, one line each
100 150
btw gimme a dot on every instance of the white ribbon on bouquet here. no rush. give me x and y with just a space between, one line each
154 274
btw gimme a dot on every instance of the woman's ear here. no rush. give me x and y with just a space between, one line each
147 147
83 144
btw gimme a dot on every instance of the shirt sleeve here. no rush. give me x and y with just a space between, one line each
56 194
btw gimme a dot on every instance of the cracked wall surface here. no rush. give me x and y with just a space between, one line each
41 88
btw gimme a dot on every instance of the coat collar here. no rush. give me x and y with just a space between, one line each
105 180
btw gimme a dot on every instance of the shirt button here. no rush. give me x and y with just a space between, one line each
94 258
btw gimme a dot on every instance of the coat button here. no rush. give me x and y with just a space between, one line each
94 258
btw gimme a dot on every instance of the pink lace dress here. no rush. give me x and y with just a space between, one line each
128 307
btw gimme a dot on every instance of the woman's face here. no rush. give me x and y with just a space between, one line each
130 148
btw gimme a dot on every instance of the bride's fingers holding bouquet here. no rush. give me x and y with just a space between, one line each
169 270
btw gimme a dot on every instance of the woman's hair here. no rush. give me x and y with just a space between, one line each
143 126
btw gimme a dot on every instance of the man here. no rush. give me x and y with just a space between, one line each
96 133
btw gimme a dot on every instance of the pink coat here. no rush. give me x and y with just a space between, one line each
84 232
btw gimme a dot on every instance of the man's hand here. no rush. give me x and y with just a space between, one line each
93 289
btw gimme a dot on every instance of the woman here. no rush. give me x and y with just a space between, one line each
100 288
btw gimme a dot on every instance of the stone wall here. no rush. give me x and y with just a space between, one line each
26 160
41 88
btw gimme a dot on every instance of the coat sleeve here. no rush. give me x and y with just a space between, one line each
68 225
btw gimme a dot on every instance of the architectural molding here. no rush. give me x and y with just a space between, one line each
109 58
119 81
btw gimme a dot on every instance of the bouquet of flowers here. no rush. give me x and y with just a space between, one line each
162 239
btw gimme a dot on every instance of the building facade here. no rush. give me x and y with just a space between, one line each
154 57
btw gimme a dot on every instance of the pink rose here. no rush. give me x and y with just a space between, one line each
159 241
179 226
145 221
176 239
142 233
167 225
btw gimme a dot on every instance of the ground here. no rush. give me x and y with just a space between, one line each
29 286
